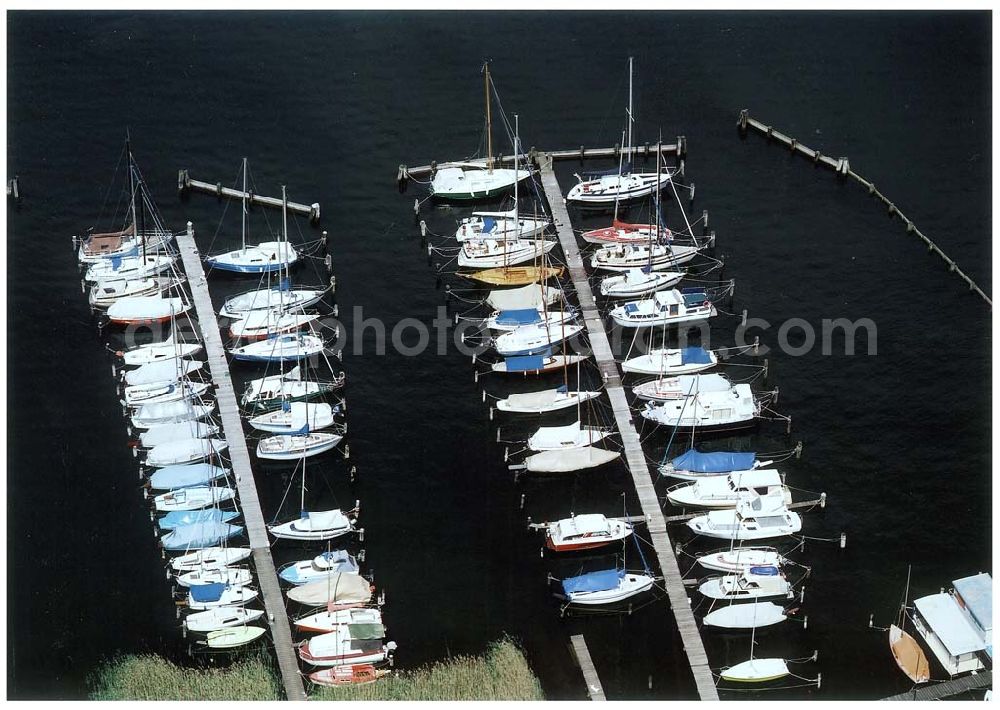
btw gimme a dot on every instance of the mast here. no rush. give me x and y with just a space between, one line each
244 205
489 126
618 192
906 595
630 106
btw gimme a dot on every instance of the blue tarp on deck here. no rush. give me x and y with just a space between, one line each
524 363
519 316
695 356
207 592
715 462
488 224
593 581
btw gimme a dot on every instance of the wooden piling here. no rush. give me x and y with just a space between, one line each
239 455
634 455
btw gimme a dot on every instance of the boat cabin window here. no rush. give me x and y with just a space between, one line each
673 309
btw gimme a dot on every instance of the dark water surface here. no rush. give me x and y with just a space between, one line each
330 104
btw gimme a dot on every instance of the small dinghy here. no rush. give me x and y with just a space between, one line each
530 296
511 320
569 460
326 621
730 410
585 532
728 490
673 307
293 416
159 394
535 364
626 233
639 282
319 567
158 352
534 339
267 299
260 325
194 498
209 558
146 310
146 416
910 657
671 361
625 257
544 401
756 670
271 391
745 523
754 583
232 638
178 431
282 348
500 225
315 525
181 518
105 294
571 436
693 465
338 591
491 253
740 559
343 648
286 447
514 275
604 587
230 576
132 267
184 451
220 617
260 258
357 674
185 476
199 535
156 373
664 389
206 596
746 616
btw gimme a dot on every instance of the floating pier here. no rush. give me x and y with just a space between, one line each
678 149
232 426
843 168
185 183
634 455
578 647
940 691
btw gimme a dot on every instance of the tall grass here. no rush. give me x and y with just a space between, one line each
501 674
151 677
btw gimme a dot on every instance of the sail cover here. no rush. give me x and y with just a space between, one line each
199 535
521 316
695 356
593 581
177 518
489 224
340 588
185 476
567 460
530 296
714 462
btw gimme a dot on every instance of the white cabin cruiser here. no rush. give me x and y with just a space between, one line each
673 307
753 583
585 532
728 490
707 411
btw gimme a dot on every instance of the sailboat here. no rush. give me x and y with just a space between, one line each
671 361
314 525
255 259
538 338
570 436
500 225
192 498
908 654
146 310
221 617
756 670
288 347
292 416
169 349
620 186
106 293
476 180
266 393
129 267
606 586
529 296
320 567
511 319
545 401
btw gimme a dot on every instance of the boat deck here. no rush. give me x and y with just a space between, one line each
634 455
232 427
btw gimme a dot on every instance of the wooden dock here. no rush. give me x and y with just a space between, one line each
232 426
955 686
578 647
843 168
185 183
634 455
679 149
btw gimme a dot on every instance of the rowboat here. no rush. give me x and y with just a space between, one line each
357 674
514 275
671 361
585 532
285 447
220 617
603 587
192 498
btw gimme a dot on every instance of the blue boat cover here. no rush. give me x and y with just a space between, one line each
176 518
116 262
695 356
207 592
524 363
199 535
488 224
185 476
715 462
769 571
521 316
695 299
593 581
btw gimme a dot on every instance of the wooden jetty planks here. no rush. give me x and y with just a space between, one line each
232 426
578 646
634 455
955 686
185 182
